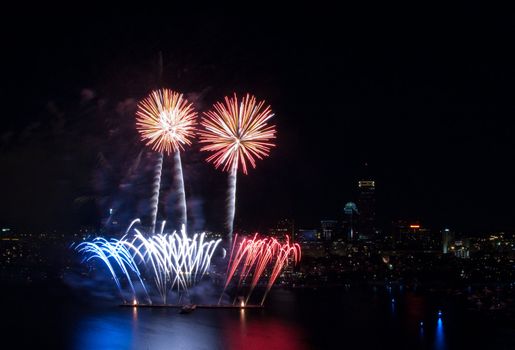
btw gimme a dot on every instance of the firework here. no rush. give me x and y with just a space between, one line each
171 260
166 122
113 251
283 253
237 133
175 261
254 256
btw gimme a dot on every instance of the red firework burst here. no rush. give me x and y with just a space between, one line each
237 132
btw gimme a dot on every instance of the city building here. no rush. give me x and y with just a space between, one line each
461 248
366 205
307 235
447 238
350 221
282 228
329 229
412 235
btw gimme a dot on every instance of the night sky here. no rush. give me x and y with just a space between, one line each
425 97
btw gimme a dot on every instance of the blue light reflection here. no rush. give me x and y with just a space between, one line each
439 335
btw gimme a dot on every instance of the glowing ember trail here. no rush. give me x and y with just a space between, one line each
254 256
237 133
284 252
179 179
166 122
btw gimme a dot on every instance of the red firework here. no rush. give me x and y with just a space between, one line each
254 256
166 120
237 132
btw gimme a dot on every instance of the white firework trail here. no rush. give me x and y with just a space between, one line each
231 201
154 202
181 191
173 261
113 250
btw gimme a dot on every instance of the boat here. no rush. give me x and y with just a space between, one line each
186 309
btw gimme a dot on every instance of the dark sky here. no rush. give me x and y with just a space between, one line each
425 96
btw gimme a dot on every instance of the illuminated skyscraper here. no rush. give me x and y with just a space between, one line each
366 205
447 238
350 220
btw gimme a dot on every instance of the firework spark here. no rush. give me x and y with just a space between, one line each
174 260
113 251
166 121
254 256
283 253
237 132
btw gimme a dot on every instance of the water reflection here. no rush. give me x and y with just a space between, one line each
204 329
439 335
104 332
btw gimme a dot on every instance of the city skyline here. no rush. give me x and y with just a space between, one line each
313 177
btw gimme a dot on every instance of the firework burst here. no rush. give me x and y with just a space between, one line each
166 121
237 132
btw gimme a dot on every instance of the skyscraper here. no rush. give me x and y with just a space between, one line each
447 238
366 205
350 220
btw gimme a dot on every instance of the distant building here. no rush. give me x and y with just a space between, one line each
282 228
461 248
329 229
447 238
366 205
307 235
412 235
350 220
401 230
